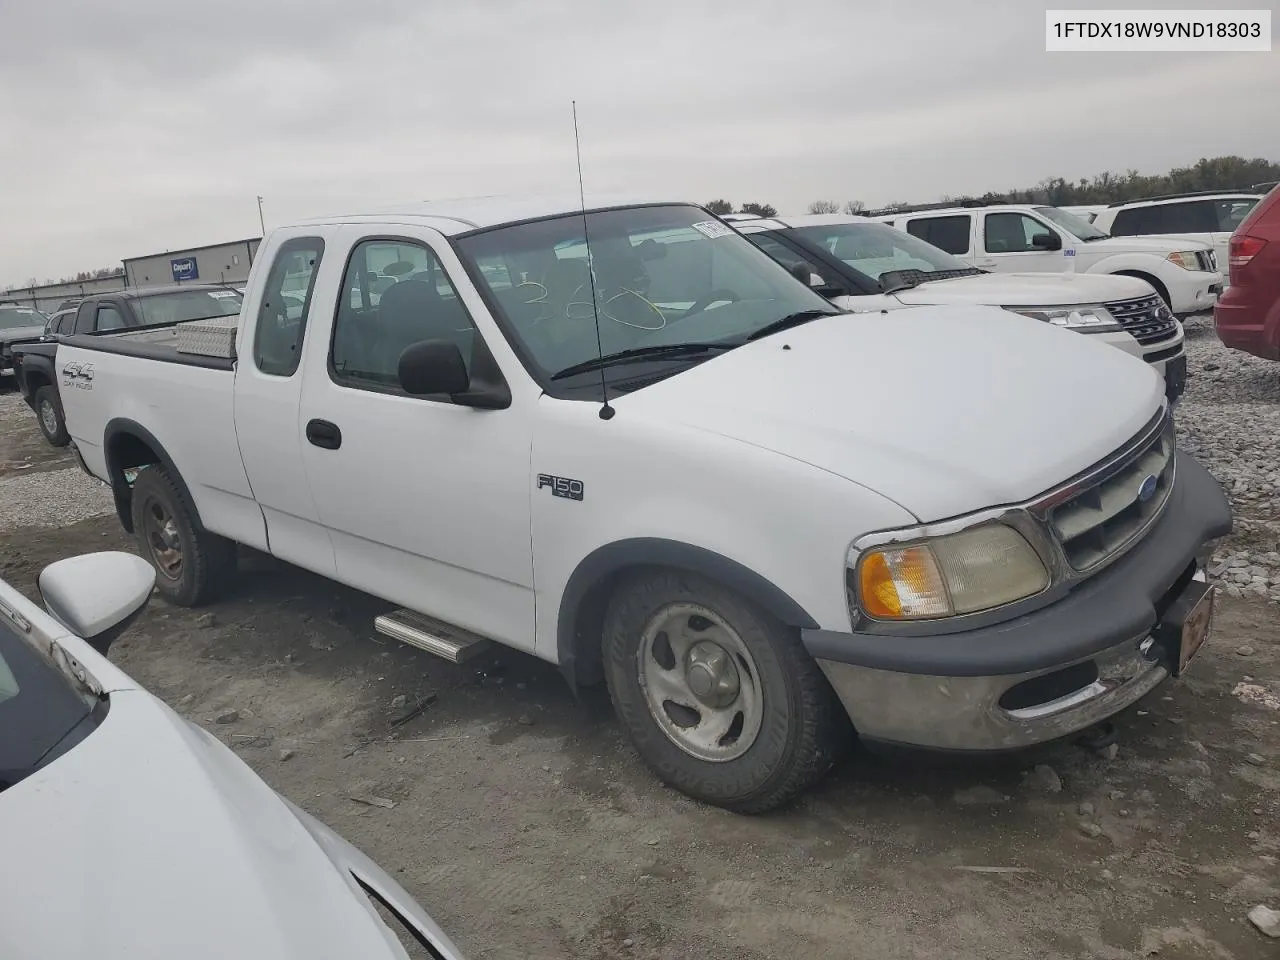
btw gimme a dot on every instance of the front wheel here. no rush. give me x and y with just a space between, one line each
49 415
719 698
192 565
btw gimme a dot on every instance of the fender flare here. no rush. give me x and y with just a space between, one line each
120 489
597 567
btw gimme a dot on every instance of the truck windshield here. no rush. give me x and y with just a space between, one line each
874 249
183 305
663 275
1079 228
13 317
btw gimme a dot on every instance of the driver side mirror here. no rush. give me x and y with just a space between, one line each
436 367
1046 241
97 595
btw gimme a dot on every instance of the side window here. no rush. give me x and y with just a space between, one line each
784 255
282 312
1199 216
394 293
109 318
1138 222
1229 213
1011 233
946 233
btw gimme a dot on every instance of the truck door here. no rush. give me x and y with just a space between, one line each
1009 244
427 501
268 390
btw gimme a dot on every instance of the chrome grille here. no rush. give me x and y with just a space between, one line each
1097 523
1146 319
1207 260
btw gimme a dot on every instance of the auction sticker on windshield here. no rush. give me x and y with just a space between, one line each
712 228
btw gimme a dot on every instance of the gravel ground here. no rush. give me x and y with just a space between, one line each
524 823
1229 420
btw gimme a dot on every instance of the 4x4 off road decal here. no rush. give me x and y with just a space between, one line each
561 486
78 375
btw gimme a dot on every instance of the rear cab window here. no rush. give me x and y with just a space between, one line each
951 233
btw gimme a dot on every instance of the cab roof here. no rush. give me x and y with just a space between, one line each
464 214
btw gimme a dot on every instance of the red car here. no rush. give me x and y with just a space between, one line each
1247 315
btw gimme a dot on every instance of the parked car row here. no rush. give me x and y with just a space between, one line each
627 441
864 265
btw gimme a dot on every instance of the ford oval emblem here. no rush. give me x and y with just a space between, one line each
1147 489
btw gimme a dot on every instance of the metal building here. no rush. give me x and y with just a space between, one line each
216 263
48 297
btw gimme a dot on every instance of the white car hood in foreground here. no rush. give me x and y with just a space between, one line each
151 840
944 410
1028 289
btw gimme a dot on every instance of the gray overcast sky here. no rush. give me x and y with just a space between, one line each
140 126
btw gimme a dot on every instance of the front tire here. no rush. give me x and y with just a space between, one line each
49 415
192 565
719 698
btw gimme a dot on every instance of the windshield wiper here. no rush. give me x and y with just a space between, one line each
792 320
639 354
891 281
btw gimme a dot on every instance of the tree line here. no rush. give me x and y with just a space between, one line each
1208 173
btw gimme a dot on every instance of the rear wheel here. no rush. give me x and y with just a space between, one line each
49 414
719 698
192 565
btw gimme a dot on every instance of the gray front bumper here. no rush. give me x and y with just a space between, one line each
1099 648
964 713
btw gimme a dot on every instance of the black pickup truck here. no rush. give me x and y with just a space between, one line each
18 324
33 363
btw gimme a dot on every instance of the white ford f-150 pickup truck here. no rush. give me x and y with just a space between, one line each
625 440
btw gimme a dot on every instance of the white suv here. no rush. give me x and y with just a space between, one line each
1208 217
1015 238
864 266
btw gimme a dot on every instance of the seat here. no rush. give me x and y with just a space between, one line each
411 311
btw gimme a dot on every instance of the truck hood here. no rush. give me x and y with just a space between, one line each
1027 289
151 839
1159 245
944 410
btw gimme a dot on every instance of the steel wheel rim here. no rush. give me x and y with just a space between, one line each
48 417
161 533
700 682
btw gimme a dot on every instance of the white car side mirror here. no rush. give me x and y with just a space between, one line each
97 595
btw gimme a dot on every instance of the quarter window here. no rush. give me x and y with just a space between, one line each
395 293
286 301
946 233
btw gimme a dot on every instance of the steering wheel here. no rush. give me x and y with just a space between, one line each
707 299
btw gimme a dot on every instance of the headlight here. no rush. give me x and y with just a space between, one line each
1186 259
976 569
1087 318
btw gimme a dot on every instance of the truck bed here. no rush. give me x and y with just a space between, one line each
197 343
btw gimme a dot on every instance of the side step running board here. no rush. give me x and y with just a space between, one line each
434 636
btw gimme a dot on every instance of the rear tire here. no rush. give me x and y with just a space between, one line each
719 698
49 415
192 565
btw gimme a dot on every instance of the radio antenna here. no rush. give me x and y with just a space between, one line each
606 411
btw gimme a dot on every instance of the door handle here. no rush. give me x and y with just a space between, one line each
322 433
